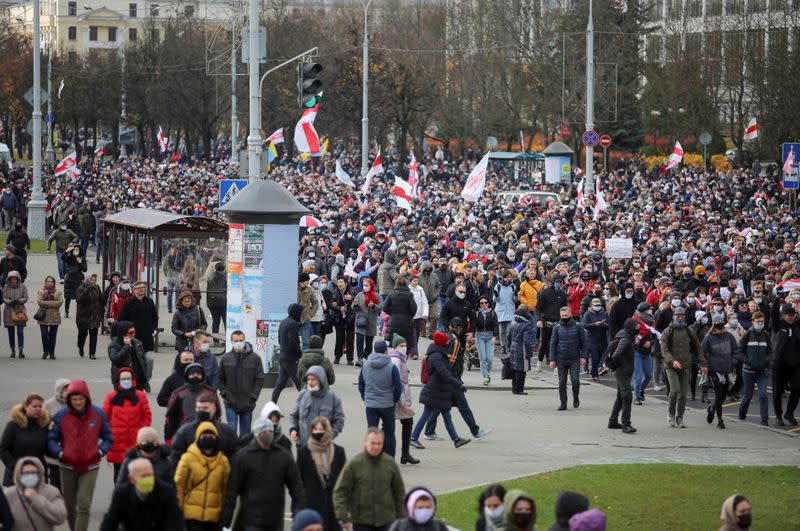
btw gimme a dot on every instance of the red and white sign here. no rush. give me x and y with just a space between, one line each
605 141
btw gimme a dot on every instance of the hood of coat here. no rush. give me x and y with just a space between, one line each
204 427
378 360
121 328
78 387
18 471
270 408
58 388
728 514
522 316
631 326
115 379
390 257
339 259
319 372
19 417
425 266
192 367
511 498
296 311
14 274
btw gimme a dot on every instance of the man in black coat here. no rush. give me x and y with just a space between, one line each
19 238
143 504
622 309
623 356
458 306
401 307
548 307
11 262
206 410
141 311
259 474
291 352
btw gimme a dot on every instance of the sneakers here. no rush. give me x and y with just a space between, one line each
486 381
461 442
788 418
679 422
539 366
710 414
603 371
638 402
434 437
628 429
671 422
614 425
658 388
416 444
482 433
596 379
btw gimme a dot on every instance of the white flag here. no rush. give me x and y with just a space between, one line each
402 193
376 169
600 199
343 175
306 137
60 88
751 133
162 140
276 137
676 157
413 175
476 182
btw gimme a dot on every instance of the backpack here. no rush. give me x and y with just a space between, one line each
612 362
216 291
424 375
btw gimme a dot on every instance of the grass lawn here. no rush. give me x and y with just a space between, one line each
37 246
657 496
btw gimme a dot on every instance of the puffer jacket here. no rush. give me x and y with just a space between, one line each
241 377
320 403
201 481
22 436
521 335
429 282
130 355
623 354
442 383
186 320
529 293
680 343
162 467
387 273
313 357
52 308
89 314
125 418
45 512
568 341
596 336
505 297
721 350
181 406
401 308
74 273
13 296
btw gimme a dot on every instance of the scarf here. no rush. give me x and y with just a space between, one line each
122 395
453 355
49 294
371 296
322 454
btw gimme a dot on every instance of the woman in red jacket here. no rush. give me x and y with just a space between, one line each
127 410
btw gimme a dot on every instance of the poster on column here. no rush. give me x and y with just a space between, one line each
234 304
252 323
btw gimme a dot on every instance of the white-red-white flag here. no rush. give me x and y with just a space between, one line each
276 137
476 182
600 199
306 137
162 140
413 175
402 193
751 132
676 157
788 166
581 200
69 166
376 169
100 151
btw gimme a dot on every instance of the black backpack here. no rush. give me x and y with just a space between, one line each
612 361
216 291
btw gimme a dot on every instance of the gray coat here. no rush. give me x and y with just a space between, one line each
320 403
372 316
429 283
13 296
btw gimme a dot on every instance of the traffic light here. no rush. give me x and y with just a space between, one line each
308 86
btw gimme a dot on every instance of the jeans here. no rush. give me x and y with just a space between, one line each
596 355
305 334
217 315
678 389
363 342
98 247
573 369
463 409
62 269
386 416
642 373
49 333
149 360
243 419
658 368
78 490
624 398
92 333
287 369
750 379
9 214
483 340
20 335
440 303
431 413
316 328
173 285
504 326
84 245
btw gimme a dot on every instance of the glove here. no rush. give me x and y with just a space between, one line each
463 388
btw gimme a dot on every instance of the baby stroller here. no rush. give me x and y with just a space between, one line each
471 354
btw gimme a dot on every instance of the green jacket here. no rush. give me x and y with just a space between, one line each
370 491
313 357
681 344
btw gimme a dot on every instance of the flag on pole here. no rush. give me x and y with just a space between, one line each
60 88
476 181
272 154
276 137
402 193
751 133
413 175
162 140
343 175
324 148
676 157
100 151
581 200
788 166
69 166
305 135
600 199
376 169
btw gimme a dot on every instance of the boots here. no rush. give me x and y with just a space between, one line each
44 356
21 354
52 356
407 459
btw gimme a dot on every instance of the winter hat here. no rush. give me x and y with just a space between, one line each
380 346
596 300
699 314
569 504
628 286
414 496
303 277
184 294
262 424
680 310
440 339
699 270
305 518
219 266
398 340
592 520
643 307
717 318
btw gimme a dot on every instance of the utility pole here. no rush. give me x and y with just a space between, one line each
365 94
49 152
589 182
123 113
234 119
36 205
254 138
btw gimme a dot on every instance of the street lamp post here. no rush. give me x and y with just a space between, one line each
365 93
123 113
254 138
36 205
49 152
589 186
234 118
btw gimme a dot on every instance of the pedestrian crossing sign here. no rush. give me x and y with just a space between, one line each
228 188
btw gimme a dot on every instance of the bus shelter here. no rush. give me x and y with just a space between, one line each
526 167
135 242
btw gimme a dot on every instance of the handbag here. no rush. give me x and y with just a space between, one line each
505 371
40 314
19 315
362 321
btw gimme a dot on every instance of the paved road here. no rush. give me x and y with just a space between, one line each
529 436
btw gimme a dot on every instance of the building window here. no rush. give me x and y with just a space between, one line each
132 34
132 10
155 35
72 9
72 33
713 8
92 33
756 6
694 8
153 10
112 34
188 11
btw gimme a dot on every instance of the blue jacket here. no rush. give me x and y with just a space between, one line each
521 335
505 298
379 382
9 200
596 336
568 341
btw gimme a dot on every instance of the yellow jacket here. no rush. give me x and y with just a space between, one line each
201 481
529 293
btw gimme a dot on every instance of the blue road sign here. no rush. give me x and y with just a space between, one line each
229 188
49 118
590 138
791 181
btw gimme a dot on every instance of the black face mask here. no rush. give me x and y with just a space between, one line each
719 326
208 445
521 520
203 416
148 447
565 321
745 520
317 436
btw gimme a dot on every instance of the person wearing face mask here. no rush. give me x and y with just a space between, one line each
19 239
320 462
421 508
181 407
520 511
490 509
241 378
62 236
679 347
380 387
149 446
88 316
201 480
568 352
737 514
431 286
595 322
785 361
127 410
175 379
115 298
261 474
316 400
720 349
34 504
24 435
200 346
143 501
188 318
207 409
756 347
643 360
127 351
622 309
11 262
74 267
551 299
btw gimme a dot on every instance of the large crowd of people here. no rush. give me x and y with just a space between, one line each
704 304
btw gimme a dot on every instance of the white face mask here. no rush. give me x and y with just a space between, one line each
423 516
29 481
460 295
126 287
402 350
313 388
493 514
238 346
367 287
204 347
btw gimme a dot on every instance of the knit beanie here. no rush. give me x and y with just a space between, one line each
440 339
568 504
305 518
398 340
379 346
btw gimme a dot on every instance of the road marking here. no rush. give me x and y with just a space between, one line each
729 404
794 429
